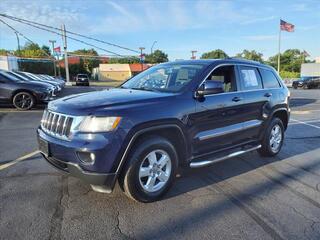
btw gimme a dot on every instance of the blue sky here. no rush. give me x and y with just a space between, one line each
177 26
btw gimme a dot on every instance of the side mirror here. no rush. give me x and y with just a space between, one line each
210 87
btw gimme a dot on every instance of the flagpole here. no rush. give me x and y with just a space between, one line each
279 48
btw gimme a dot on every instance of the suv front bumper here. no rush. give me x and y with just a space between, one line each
64 155
107 180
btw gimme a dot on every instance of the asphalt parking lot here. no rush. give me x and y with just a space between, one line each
247 197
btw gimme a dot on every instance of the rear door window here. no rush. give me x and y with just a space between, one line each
269 79
250 78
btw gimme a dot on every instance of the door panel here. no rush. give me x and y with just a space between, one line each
5 90
217 123
256 100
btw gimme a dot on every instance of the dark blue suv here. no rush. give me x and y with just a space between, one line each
178 114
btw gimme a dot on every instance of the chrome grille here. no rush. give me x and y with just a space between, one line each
56 124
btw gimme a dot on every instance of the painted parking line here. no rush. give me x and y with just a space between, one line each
305 123
308 121
24 157
17 111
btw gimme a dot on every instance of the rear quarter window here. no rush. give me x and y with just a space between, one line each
269 79
250 78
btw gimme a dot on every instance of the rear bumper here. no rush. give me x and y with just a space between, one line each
107 180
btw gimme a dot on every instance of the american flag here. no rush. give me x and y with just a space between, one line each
285 26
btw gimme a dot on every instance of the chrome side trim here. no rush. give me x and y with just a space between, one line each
209 162
205 135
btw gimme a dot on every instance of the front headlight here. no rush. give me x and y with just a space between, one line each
99 124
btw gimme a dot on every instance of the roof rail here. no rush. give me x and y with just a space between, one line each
243 59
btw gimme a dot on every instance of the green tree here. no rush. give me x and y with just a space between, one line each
157 56
46 49
290 60
250 55
88 63
215 54
4 52
33 50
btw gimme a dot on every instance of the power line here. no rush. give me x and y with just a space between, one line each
72 38
70 32
28 39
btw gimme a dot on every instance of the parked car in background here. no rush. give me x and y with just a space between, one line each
306 82
35 78
50 78
82 79
26 79
22 94
178 114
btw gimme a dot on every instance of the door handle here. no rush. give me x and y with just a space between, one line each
268 94
236 99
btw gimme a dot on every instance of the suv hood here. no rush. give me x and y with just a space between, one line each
88 103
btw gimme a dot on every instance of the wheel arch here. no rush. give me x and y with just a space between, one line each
282 114
172 132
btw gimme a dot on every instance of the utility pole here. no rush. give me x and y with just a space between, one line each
279 50
18 42
66 64
141 56
193 52
54 59
153 46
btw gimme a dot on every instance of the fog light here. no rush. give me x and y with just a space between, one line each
86 157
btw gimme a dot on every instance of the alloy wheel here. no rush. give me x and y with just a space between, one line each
155 170
275 138
23 101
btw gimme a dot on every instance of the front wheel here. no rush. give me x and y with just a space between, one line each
23 101
150 170
273 138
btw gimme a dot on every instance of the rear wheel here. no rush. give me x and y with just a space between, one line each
273 139
23 101
150 170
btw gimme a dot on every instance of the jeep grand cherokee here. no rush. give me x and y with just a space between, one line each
178 114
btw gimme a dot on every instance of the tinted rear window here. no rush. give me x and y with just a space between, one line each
82 75
250 78
269 79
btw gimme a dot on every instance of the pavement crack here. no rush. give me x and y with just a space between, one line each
57 217
125 236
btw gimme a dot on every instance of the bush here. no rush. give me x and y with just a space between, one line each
286 74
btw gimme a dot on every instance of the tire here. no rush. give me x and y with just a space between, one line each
271 147
295 87
23 101
138 175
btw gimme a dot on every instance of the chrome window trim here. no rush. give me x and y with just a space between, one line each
241 91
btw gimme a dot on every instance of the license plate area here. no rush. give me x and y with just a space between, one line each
44 147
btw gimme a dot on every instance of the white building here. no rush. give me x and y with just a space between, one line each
9 63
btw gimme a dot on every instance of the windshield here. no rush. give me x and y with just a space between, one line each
166 78
82 75
305 78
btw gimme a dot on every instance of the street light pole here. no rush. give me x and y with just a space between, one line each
54 59
153 46
66 64
18 41
141 49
